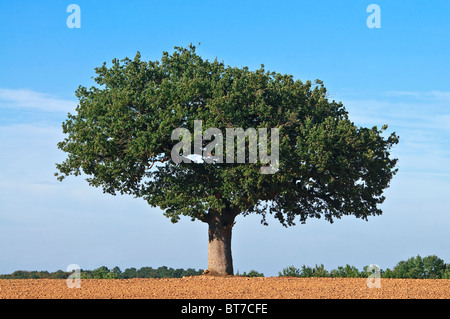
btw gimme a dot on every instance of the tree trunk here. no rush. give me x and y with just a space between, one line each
220 261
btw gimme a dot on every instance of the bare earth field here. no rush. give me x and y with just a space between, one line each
210 287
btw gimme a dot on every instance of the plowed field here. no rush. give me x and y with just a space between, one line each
206 287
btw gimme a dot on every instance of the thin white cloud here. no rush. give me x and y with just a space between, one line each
433 95
406 109
28 99
421 119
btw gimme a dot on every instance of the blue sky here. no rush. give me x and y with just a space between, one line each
395 75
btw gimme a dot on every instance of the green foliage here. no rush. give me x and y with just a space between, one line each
129 273
366 272
290 271
430 267
446 273
411 268
122 127
320 271
345 272
116 270
305 272
251 273
388 273
104 272
22 274
160 272
433 267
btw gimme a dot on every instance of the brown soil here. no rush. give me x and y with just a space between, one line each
207 287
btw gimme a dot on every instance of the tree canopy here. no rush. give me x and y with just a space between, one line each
121 138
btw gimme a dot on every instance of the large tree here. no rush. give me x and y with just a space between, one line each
121 138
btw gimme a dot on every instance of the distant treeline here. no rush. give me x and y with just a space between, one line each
106 273
430 267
